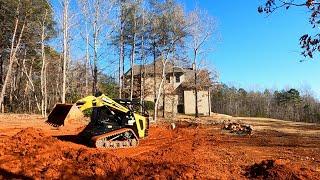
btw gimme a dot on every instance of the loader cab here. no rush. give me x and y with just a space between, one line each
134 106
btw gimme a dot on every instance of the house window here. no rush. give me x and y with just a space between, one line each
177 79
168 79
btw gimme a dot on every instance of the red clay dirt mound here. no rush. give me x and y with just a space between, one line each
32 154
270 169
189 151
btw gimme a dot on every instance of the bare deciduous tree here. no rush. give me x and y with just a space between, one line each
171 32
66 38
44 95
201 29
96 13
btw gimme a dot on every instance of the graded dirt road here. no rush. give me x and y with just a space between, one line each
30 149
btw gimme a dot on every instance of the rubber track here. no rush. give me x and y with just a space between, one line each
94 139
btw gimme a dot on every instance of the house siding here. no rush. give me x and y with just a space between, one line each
203 102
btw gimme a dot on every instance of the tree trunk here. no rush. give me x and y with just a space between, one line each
10 94
45 91
87 62
209 100
195 84
158 95
155 81
95 50
121 55
164 94
123 75
65 47
133 52
163 100
132 70
1 71
173 103
43 67
142 68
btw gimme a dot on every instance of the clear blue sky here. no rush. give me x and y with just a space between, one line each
256 51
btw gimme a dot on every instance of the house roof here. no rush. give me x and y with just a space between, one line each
204 80
149 68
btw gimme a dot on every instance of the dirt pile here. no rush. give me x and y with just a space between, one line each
188 151
32 154
271 169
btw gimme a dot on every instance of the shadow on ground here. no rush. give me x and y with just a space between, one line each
9 175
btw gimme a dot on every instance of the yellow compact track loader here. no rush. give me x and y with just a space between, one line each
115 123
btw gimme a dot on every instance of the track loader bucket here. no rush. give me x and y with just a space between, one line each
64 114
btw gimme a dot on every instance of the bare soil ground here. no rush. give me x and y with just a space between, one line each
31 149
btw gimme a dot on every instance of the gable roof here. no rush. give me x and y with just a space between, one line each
149 68
204 81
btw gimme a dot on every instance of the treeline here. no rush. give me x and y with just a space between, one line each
31 70
58 51
286 104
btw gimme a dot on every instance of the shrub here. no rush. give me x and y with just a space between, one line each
149 105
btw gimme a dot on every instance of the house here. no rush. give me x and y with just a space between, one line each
178 94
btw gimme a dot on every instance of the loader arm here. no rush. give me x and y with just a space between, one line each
63 113
101 101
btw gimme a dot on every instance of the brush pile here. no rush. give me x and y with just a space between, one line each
237 128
